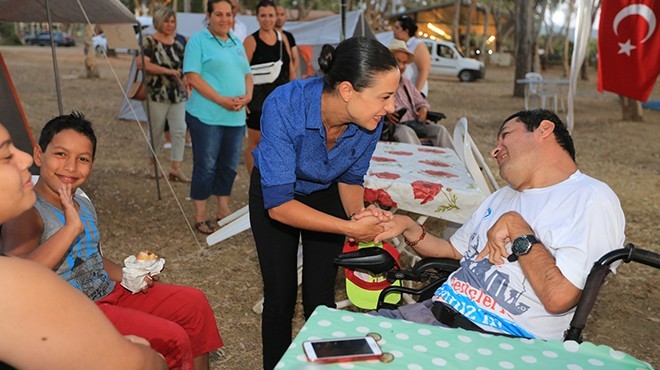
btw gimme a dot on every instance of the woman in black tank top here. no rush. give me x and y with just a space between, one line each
264 46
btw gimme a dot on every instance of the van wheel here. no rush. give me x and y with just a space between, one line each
465 76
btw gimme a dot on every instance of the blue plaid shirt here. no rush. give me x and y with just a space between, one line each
292 156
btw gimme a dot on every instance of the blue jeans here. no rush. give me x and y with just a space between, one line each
216 153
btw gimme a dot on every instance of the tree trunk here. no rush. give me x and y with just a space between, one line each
484 37
523 44
456 22
631 110
186 6
90 54
138 7
468 28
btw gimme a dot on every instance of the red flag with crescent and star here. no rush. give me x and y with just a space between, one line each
629 47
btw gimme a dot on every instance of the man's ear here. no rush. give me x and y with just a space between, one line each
546 128
346 90
37 153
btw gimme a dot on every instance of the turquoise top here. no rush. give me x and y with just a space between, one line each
223 65
417 346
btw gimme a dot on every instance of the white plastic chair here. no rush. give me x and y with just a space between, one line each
231 225
536 88
469 153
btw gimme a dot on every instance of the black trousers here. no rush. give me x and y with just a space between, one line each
277 248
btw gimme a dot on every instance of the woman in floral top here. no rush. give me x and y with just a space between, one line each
163 57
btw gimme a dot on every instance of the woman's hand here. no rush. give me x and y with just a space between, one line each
71 217
373 210
365 229
173 73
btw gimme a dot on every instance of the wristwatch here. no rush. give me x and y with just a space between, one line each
521 246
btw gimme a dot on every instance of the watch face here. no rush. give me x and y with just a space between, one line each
521 245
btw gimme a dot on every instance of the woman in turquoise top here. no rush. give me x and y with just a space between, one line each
318 136
216 67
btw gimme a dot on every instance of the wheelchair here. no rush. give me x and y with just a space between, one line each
433 272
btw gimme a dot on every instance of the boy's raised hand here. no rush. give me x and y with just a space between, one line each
72 219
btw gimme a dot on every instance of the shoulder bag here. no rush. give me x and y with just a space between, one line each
265 73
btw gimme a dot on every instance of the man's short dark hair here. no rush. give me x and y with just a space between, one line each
532 119
75 121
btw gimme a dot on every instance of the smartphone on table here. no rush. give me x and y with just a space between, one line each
342 349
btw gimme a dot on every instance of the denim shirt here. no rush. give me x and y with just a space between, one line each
292 156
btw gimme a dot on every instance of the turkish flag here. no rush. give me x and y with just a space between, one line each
629 47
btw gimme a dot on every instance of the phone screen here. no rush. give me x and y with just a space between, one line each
337 348
344 349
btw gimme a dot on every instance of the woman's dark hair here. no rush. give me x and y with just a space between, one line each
264 4
355 60
209 5
408 24
532 120
75 121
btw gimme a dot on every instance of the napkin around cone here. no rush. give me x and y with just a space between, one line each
134 272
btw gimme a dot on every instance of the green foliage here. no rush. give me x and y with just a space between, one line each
8 34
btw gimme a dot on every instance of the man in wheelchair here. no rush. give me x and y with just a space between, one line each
526 252
410 121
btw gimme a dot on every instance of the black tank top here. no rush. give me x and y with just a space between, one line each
265 53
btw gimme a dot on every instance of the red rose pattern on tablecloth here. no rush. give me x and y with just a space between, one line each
385 175
439 173
379 196
382 159
395 152
426 191
434 163
431 150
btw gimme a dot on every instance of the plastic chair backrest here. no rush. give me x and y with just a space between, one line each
534 88
469 153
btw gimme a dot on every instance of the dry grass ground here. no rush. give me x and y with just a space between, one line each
626 155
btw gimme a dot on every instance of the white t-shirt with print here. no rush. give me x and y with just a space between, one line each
578 221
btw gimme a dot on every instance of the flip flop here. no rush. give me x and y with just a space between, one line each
209 229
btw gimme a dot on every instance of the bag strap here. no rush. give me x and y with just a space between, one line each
279 38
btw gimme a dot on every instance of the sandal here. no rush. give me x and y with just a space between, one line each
204 227
177 175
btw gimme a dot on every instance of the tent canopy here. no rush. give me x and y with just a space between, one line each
67 11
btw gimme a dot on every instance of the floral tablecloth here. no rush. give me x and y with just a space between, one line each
418 347
426 180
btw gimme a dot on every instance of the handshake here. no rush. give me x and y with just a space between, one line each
373 224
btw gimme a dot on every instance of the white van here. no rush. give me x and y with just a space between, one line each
447 60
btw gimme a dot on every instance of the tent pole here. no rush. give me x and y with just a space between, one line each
151 133
343 20
55 67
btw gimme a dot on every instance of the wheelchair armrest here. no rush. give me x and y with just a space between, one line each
441 264
435 116
374 259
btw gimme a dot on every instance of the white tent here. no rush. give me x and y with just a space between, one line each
310 37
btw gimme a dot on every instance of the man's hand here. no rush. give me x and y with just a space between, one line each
422 113
508 227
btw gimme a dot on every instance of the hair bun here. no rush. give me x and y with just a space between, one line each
326 57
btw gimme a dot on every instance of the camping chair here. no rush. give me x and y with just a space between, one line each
468 152
432 272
